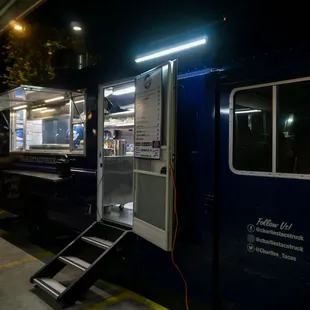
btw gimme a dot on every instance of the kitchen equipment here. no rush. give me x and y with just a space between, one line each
63 166
108 151
119 147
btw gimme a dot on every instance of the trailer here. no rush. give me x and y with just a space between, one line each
220 178
48 135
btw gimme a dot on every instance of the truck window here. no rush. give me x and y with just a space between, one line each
252 130
293 128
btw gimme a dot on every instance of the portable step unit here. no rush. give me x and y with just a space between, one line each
107 242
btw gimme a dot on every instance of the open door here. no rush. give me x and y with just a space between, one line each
155 109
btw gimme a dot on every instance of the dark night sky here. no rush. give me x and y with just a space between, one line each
119 31
125 29
127 25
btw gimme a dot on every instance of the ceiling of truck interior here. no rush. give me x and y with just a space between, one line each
33 96
15 10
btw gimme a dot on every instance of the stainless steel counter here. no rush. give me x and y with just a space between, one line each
53 177
118 180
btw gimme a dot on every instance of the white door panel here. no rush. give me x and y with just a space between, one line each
154 151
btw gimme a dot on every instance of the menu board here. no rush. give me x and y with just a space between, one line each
148 115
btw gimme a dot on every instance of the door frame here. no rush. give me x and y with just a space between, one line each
157 236
100 143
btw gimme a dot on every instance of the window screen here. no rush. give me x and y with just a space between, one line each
252 130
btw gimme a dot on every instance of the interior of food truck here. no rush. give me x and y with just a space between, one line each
136 135
45 120
118 150
136 152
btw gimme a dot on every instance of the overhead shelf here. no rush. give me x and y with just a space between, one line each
112 126
123 114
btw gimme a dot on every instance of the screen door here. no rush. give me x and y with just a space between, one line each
154 151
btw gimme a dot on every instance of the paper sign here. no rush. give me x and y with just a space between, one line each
148 115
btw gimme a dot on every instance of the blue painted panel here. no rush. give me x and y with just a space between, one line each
252 276
194 178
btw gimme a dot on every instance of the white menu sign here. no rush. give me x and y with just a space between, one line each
148 115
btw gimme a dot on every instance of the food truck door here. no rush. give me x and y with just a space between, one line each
154 154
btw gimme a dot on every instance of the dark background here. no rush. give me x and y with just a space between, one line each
121 30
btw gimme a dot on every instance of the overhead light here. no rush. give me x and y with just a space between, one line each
79 101
77 28
290 119
172 50
18 27
54 99
39 109
20 107
247 111
47 110
124 91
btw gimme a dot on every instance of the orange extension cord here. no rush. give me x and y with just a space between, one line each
175 236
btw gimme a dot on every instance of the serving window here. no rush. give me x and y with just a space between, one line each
46 120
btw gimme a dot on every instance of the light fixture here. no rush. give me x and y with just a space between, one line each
18 27
290 119
124 91
20 107
54 99
172 50
77 28
247 111
79 101
39 109
47 110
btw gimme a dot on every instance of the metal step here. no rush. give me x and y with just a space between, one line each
50 286
98 242
74 261
68 294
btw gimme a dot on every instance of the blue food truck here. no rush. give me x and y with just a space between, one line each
202 179
48 132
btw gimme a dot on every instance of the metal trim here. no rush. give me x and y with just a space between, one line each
100 155
71 127
155 174
273 174
274 129
100 142
118 82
